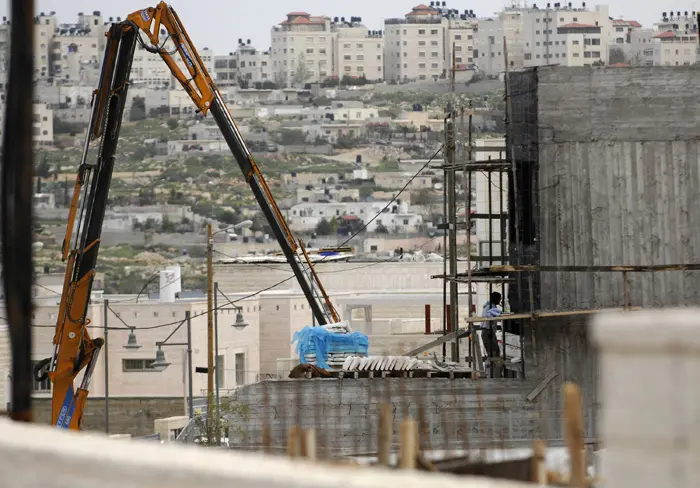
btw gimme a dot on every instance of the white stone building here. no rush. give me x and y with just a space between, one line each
304 217
418 46
676 40
302 49
308 48
359 51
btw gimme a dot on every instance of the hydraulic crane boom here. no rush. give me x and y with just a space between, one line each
74 349
199 85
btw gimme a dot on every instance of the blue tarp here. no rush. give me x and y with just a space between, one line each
319 341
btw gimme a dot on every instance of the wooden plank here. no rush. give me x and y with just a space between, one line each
508 268
573 433
385 434
541 386
408 453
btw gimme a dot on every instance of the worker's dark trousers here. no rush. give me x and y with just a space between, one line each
490 343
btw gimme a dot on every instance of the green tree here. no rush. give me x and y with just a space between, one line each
327 228
173 124
381 229
168 225
138 109
301 74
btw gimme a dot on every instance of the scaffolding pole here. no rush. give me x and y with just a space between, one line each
452 225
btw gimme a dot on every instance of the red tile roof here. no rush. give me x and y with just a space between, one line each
632 23
666 35
294 14
423 10
578 26
618 65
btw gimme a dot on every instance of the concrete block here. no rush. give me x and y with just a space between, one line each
82 460
650 394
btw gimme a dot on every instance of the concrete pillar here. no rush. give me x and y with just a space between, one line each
368 319
649 387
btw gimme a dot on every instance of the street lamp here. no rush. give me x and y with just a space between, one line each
160 364
131 341
210 314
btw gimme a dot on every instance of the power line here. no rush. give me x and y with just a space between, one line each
232 303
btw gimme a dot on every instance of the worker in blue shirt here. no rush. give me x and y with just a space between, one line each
488 329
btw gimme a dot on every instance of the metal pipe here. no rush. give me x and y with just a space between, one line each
189 362
210 330
427 318
452 226
17 189
106 348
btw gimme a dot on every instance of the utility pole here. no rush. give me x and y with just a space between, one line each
210 331
452 225
189 364
106 348
216 356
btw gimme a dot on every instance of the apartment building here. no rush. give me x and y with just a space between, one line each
488 45
252 65
302 49
308 49
419 45
461 34
415 46
566 35
631 44
676 40
359 51
226 69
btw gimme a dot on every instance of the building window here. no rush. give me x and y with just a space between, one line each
347 57
309 39
528 56
347 45
421 54
434 66
360 57
421 32
421 43
434 54
360 46
239 360
421 66
458 48
458 37
40 386
433 32
310 51
433 43
137 365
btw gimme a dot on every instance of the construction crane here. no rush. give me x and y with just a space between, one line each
74 350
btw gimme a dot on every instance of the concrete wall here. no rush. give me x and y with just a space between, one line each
458 413
336 277
612 156
133 416
80 460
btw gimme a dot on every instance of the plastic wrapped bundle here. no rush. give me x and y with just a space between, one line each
318 344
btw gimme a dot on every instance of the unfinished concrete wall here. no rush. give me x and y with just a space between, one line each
614 155
133 416
457 413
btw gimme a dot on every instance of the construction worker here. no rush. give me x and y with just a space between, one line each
488 335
